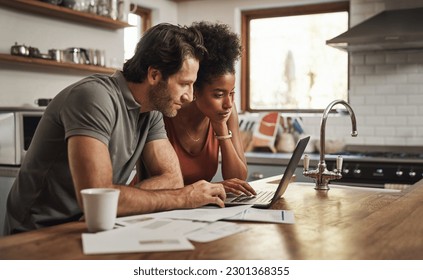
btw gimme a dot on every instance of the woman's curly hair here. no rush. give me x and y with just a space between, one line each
223 51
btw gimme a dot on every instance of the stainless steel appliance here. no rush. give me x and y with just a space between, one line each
17 127
380 166
392 29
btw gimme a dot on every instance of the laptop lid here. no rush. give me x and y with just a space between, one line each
286 178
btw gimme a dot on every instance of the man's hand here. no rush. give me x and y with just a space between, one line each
202 193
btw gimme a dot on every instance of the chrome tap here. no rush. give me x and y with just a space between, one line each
321 174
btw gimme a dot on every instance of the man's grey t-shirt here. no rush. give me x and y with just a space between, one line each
98 106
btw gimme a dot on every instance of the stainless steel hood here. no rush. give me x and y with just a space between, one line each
389 30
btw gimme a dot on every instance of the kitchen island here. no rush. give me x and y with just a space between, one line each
342 223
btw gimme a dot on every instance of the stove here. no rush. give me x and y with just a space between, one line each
379 166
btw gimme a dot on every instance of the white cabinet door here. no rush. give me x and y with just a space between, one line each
5 186
260 171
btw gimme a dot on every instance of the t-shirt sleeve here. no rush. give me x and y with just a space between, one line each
89 111
157 128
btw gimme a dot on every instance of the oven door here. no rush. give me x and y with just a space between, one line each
378 174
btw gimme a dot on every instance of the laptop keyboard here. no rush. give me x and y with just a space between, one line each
260 197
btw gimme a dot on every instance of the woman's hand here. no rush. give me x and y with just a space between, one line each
237 186
219 122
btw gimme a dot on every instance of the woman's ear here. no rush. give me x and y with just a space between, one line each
154 75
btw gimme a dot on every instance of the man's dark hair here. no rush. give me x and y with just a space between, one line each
164 47
223 50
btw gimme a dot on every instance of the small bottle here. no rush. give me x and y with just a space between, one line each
113 9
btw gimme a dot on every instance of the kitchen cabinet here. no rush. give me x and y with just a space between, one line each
263 165
7 177
260 171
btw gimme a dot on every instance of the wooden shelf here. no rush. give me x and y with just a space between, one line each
63 13
83 68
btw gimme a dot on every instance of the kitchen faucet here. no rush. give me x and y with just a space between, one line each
321 174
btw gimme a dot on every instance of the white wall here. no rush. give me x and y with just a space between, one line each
163 10
21 85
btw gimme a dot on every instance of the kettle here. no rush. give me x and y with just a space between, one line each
19 50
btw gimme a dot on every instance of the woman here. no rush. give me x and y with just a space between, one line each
210 122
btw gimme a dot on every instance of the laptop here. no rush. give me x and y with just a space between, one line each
265 199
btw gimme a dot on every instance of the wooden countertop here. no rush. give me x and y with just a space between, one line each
343 223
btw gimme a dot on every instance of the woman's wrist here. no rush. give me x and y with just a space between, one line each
220 128
224 137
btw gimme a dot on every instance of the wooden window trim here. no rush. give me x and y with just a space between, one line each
145 14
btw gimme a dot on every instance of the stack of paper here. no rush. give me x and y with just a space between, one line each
134 238
172 230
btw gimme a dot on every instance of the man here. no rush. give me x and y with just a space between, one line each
94 131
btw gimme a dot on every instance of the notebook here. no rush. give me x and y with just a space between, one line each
265 199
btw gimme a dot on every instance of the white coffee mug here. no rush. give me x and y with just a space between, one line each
100 208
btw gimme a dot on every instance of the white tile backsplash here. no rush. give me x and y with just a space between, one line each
397 121
375 58
376 79
396 57
386 90
386 93
414 121
409 110
390 91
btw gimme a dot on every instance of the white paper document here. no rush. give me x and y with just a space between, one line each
172 230
205 214
149 236
265 215
214 231
193 230
164 225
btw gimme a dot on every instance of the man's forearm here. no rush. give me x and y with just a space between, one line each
162 182
135 201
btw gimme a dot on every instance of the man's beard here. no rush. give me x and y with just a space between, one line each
161 99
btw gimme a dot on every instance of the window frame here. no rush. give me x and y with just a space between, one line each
145 15
141 27
248 15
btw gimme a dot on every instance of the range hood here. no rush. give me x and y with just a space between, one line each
389 30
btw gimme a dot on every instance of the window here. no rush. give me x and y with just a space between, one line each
140 18
287 65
